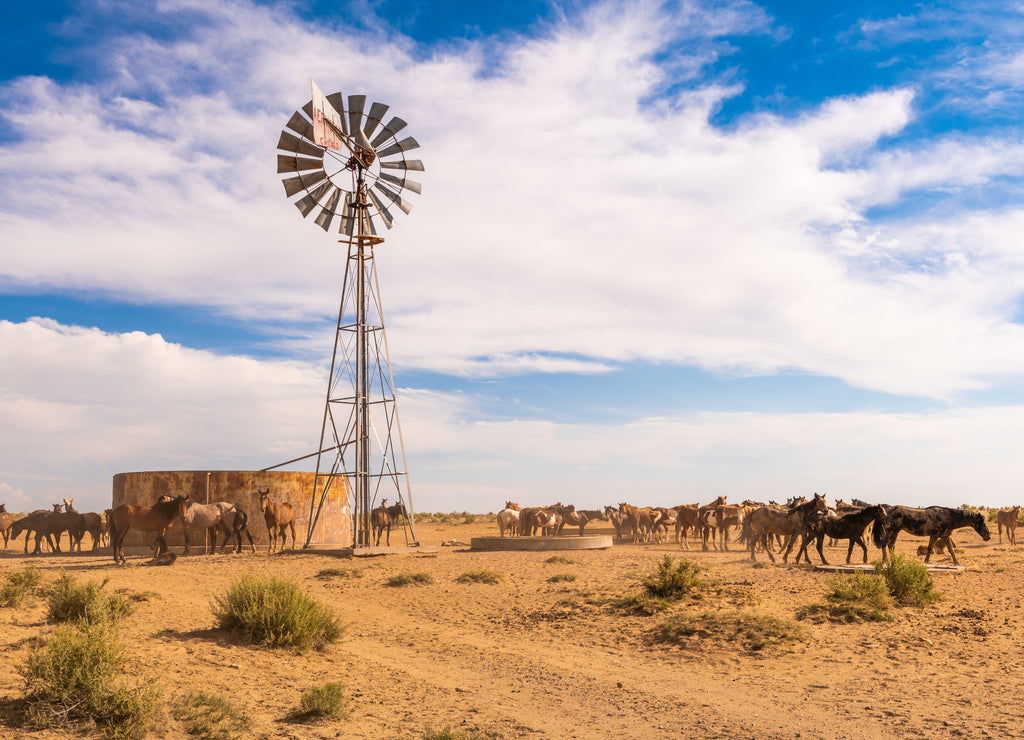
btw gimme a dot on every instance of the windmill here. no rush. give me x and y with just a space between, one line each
346 167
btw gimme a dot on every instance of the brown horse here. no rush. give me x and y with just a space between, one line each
51 525
380 519
93 525
1008 518
279 517
6 520
156 518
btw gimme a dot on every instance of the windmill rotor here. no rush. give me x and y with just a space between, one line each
332 143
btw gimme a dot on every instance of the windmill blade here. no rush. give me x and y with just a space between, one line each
391 129
403 164
355 111
290 143
401 182
306 204
385 214
297 184
402 146
338 102
297 164
373 118
300 125
327 213
347 218
393 197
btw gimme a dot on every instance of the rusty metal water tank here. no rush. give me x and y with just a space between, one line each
334 525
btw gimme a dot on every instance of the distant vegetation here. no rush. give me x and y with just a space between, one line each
454 517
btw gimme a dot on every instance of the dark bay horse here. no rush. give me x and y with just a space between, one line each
936 523
156 518
847 527
384 516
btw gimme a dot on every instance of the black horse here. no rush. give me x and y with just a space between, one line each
847 527
936 523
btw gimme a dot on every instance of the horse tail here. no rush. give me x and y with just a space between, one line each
880 531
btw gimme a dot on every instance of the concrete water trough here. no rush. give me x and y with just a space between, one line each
533 544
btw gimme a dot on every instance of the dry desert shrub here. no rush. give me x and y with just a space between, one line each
479 576
71 601
75 675
908 581
669 583
323 702
855 597
410 579
751 632
210 717
562 578
275 612
20 586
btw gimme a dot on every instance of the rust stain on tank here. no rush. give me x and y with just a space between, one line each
239 487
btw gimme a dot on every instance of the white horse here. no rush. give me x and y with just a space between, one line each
508 519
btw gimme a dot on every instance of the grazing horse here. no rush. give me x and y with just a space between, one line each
34 522
508 519
764 522
847 527
936 523
6 520
156 518
93 524
279 517
1008 518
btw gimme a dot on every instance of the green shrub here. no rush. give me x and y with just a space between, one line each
479 576
411 579
210 717
857 597
562 578
449 734
20 585
668 583
275 612
73 675
673 582
324 702
70 601
908 581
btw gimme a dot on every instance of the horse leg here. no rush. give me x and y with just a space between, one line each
931 544
821 541
389 534
951 548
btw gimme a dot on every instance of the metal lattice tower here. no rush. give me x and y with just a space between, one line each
335 170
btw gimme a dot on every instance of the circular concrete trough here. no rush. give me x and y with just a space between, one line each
586 542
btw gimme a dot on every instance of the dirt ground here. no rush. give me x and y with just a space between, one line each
532 657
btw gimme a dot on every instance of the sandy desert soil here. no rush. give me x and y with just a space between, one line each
533 658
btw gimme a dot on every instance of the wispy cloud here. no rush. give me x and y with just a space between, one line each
580 211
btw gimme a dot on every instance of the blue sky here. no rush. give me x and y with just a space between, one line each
665 251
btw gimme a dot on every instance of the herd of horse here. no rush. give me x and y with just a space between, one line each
766 527
221 518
